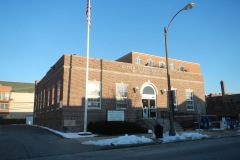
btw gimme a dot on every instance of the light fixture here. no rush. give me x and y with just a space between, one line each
189 6
135 89
163 91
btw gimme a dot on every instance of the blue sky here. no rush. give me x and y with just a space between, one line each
34 34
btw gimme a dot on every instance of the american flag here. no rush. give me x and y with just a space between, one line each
88 13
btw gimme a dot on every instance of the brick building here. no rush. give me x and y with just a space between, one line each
134 84
223 104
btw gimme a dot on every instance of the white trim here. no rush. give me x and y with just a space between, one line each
148 84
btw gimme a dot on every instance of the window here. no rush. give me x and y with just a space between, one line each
53 94
162 65
40 100
48 99
4 96
3 106
58 91
181 68
189 100
94 95
171 66
150 63
138 60
148 90
121 96
43 99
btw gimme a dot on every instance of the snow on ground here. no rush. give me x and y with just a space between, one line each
121 140
130 139
183 137
71 135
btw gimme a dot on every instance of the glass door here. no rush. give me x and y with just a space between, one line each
149 109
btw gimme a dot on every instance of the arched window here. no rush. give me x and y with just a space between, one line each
148 90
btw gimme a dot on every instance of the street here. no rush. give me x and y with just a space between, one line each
30 142
26 142
221 149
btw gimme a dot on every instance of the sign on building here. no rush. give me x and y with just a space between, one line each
113 115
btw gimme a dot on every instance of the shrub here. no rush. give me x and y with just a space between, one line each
115 128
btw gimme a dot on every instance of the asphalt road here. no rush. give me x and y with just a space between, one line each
227 148
25 142
29 142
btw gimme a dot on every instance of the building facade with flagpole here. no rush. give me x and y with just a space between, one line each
132 88
79 90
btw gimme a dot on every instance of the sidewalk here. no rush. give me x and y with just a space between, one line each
222 133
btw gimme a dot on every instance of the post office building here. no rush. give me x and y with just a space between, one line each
133 87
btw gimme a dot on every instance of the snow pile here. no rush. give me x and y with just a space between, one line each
166 138
195 136
122 140
183 137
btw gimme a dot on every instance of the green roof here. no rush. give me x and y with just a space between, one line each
19 86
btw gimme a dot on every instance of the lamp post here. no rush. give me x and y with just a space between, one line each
170 93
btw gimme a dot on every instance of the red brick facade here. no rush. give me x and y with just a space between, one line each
62 108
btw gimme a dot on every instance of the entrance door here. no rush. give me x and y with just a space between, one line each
149 102
149 109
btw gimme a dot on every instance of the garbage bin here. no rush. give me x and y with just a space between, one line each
158 130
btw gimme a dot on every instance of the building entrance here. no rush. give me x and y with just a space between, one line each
149 102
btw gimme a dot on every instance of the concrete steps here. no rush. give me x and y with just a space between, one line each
151 123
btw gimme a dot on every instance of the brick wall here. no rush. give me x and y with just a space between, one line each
71 71
223 105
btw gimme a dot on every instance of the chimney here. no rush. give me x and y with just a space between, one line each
223 88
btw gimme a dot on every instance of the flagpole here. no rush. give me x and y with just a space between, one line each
87 66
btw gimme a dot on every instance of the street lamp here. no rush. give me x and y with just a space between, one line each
170 93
